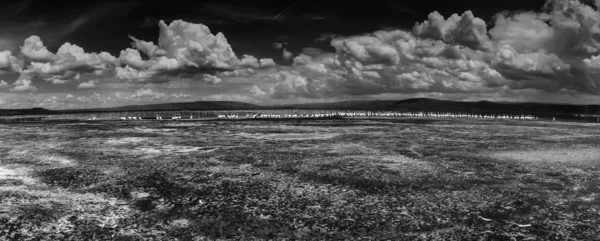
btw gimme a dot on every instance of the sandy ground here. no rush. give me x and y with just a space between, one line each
579 155
126 140
174 148
154 130
351 148
290 136
17 172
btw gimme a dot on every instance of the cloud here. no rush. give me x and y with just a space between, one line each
287 55
193 45
278 45
551 52
128 73
231 97
145 94
327 37
367 49
87 85
57 80
184 49
69 96
567 27
555 51
312 51
8 62
211 79
34 50
256 91
251 61
146 47
17 25
466 30
22 85
577 23
69 62
3 84
132 58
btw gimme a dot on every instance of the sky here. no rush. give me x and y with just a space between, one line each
92 54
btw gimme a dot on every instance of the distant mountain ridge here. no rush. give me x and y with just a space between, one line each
32 111
414 104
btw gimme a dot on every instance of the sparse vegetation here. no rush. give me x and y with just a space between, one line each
368 179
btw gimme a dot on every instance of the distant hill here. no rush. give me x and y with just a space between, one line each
415 104
32 111
425 104
196 105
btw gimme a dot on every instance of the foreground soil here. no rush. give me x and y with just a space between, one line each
368 179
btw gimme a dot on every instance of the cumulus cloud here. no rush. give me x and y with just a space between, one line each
193 45
287 55
566 27
128 73
527 31
132 58
146 47
34 50
69 62
367 49
257 91
466 30
251 61
57 80
69 96
211 79
87 85
141 94
184 48
3 84
22 85
8 62
552 51
577 22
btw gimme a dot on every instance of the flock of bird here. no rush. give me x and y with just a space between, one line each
376 114
297 115
158 117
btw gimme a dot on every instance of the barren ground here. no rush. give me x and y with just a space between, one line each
374 179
